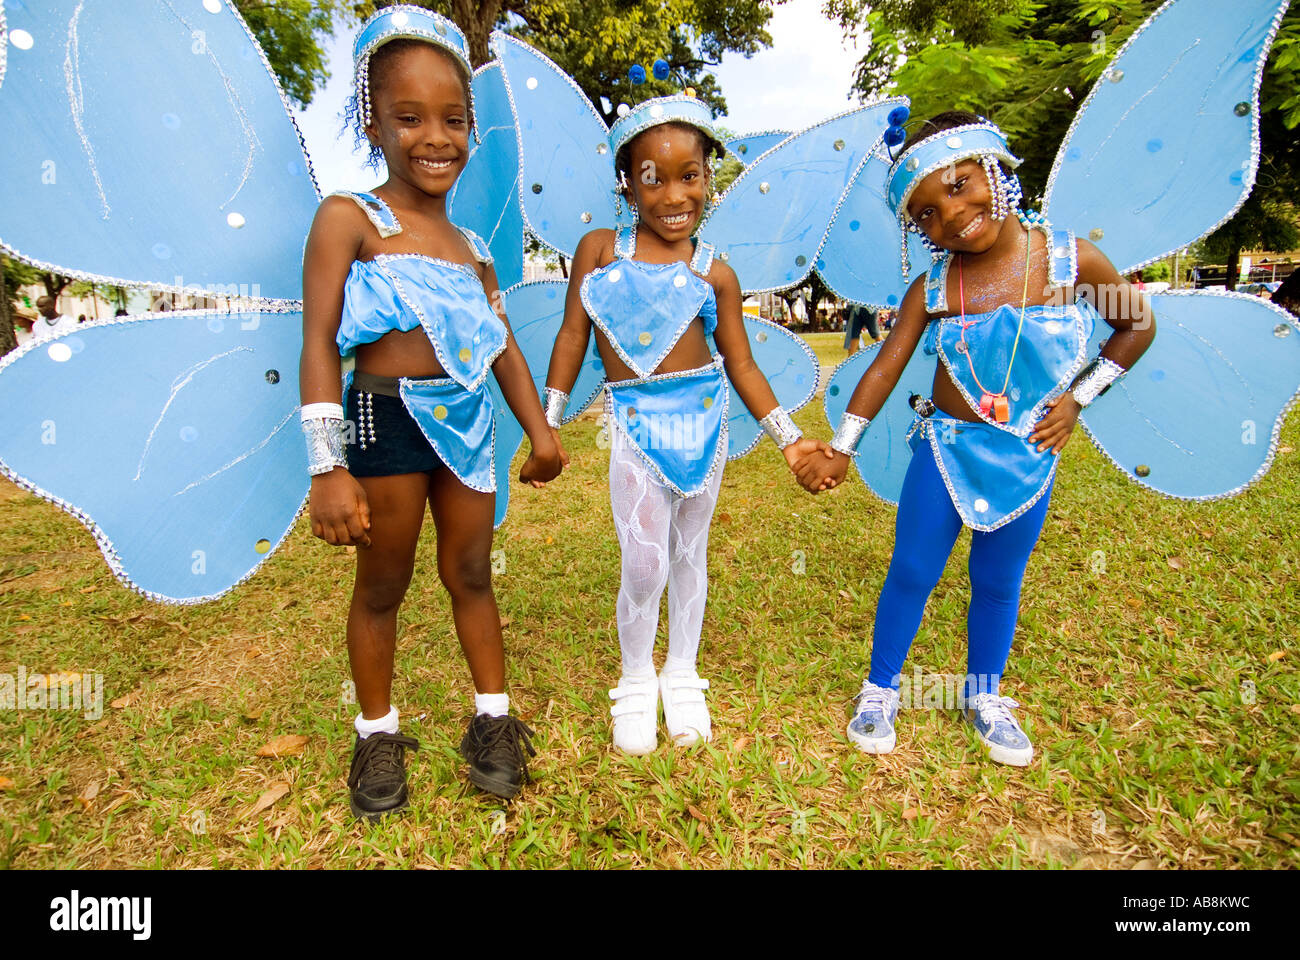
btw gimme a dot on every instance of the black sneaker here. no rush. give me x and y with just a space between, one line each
494 747
378 775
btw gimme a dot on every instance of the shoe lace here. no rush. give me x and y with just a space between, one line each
506 734
994 709
380 757
874 696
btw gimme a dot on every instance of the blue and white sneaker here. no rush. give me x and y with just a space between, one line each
990 714
872 727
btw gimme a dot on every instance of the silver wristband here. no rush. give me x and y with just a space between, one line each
1094 380
556 401
849 434
324 445
780 427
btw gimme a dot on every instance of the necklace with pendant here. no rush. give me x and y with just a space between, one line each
994 405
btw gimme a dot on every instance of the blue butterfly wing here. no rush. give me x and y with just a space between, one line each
174 437
486 196
793 191
749 148
196 180
566 173
1198 416
861 258
536 310
1164 148
790 367
883 454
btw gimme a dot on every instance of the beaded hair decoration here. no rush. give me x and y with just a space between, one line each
397 23
981 141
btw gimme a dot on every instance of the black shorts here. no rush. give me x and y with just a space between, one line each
382 438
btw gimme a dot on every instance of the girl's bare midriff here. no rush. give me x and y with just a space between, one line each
688 353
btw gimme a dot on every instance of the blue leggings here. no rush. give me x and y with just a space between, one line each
924 535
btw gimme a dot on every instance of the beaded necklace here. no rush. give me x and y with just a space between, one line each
993 404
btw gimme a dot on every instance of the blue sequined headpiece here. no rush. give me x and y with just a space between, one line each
675 109
975 140
397 23
981 141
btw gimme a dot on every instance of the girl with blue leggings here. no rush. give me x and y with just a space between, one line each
998 309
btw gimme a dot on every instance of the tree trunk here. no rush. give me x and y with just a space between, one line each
8 339
477 20
1234 267
54 283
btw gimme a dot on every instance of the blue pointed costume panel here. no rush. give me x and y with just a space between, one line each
202 182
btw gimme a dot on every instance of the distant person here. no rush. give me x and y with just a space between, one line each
1287 296
120 312
50 323
859 318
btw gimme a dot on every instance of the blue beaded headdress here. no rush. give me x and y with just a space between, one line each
678 108
981 141
397 23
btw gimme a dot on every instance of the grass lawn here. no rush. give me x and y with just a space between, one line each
1155 659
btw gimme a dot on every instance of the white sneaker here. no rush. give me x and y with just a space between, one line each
686 715
636 715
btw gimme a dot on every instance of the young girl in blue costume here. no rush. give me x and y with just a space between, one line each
999 308
654 295
390 280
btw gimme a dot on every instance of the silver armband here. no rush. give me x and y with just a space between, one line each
1094 380
781 428
556 401
322 424
849 434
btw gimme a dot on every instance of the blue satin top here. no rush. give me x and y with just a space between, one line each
644 308
407 290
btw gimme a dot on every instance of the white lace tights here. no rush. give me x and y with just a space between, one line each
664 540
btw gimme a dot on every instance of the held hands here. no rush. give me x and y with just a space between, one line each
340 513
1055 428
814 463
545 462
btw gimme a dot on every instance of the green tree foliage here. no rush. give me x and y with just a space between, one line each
291 33
596 41
13 275
1027 65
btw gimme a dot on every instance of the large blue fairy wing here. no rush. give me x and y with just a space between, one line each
883 453
793 191
1164 148
566 168
750 147
790 367
174 437
158 139
1198 416
860 260
486 196
536 309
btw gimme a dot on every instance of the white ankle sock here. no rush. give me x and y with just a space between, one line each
385 724
493 704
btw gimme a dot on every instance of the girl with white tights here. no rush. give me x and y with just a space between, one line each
665 403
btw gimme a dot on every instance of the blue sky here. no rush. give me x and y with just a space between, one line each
802 78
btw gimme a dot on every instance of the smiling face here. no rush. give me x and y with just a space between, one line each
953 207
420 117
669 176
